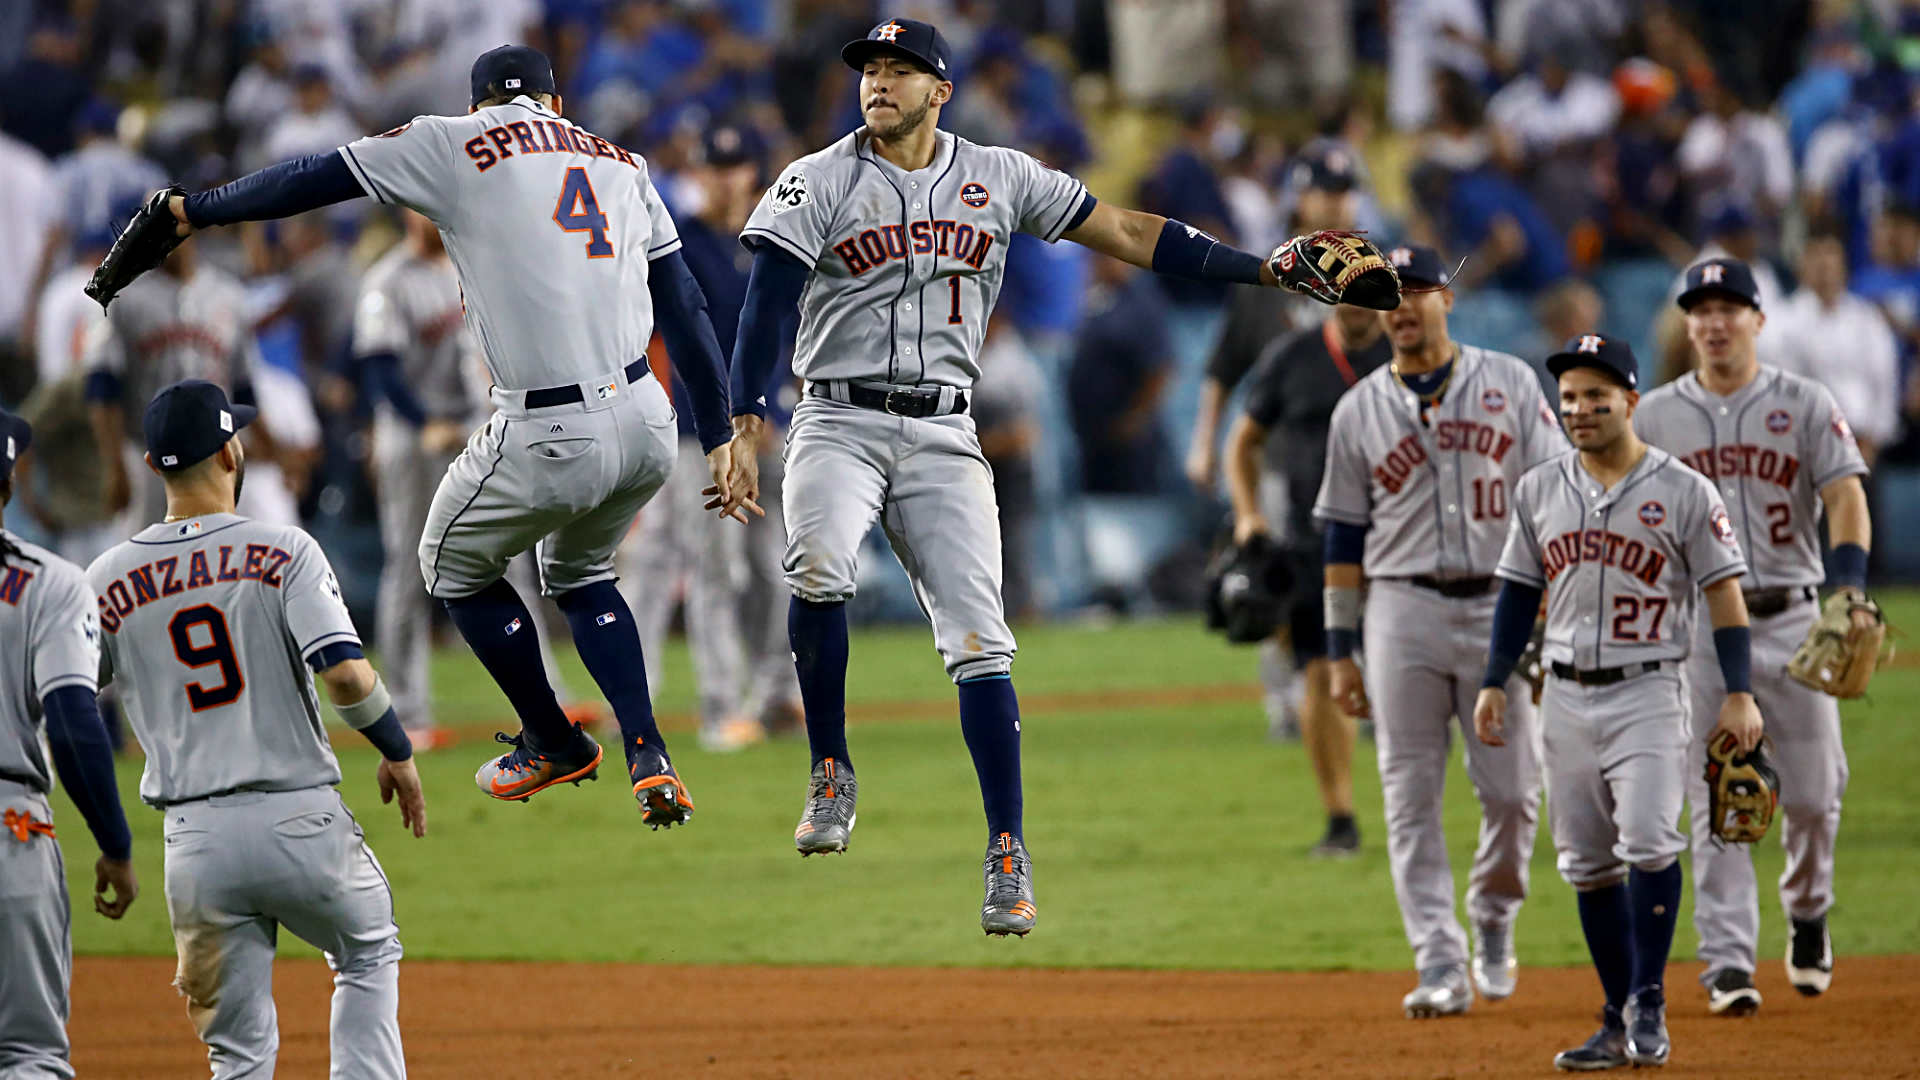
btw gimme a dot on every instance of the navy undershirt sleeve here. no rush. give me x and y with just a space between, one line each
1080 216
680 313
277 191
1513 616
773 293
83 756
328 655
1344 543
380 375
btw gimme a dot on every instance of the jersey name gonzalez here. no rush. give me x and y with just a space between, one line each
165 577
945 238
540 137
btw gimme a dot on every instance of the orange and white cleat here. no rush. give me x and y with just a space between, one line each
527 770
663 799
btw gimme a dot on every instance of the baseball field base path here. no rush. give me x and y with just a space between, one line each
581 1020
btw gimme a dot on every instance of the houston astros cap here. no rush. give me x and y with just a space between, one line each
189 422
1725 277
511 70
15 437
908 37
1419 265
1611 355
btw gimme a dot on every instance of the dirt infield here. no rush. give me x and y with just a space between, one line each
576 1020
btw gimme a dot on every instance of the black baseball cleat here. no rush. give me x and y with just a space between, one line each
1810 956
1731 993
1606 1049
1341 842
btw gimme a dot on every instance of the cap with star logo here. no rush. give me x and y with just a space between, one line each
189 422
1602 353
1418 265
911 38
1726 277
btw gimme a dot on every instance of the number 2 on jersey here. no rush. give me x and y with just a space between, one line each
578 210
217 649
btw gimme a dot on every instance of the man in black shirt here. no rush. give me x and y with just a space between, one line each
1290 398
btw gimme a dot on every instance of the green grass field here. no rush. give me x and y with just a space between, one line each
1167 832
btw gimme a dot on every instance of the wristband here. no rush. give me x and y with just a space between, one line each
1848 565
1734 644
369 710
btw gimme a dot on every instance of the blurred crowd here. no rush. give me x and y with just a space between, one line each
1577 154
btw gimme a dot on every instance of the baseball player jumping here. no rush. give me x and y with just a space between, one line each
1619 535
47 608
567 258
1422 459
893 243
1779 450
215 626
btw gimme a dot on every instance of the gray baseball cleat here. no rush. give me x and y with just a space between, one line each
1606 1049
1647 1042
1810 956
1443 991
1495 971
1008 908
826 823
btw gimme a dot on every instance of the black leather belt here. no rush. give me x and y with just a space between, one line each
1766 603
916 403
31 783
1454 588
567 395
1605 676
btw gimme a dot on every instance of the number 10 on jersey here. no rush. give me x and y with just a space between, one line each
578 210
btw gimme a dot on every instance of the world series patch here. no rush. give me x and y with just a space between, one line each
789 193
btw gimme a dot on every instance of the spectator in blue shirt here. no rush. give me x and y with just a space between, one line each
1122 366
1186 186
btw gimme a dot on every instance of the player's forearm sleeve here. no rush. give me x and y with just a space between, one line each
773 293
1513 615
1344 543
83 757
277 191
1848 565
380 374
680 311
1734 645
1184 251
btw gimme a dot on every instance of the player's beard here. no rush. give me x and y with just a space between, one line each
909 122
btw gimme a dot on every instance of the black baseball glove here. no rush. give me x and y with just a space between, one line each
1337 267
1247 589
146 240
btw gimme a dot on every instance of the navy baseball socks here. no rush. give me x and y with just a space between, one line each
990 721
550 749
817 632
1606 916
608 641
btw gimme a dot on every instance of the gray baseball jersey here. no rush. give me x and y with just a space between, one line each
550 227
45 604
906 266
209 623
162 330
1769 448
1622 566
1435 495
410 306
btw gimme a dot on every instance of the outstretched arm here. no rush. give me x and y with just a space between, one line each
277 191
1166 246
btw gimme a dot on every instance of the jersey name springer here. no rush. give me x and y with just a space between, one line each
1745 459
540 137
148 582
943 237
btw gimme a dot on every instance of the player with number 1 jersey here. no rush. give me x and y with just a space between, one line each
568 262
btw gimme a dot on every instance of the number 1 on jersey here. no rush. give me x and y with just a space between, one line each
579 211
953 288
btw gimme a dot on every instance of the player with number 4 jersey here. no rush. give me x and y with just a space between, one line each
568 262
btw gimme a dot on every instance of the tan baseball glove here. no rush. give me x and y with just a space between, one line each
1743 791
1838 657
1336 267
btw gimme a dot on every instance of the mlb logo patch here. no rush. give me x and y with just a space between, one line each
512 84
1779 421
605 618
168 461
226 421
1652 514
1493 401
607 391
191 528
974 195
513 627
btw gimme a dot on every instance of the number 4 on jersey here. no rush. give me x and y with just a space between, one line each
579 211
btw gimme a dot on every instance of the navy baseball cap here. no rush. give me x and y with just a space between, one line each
1611 355
189 422
1325 168
1724 277
15 437
509 71
1420 265
907 37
